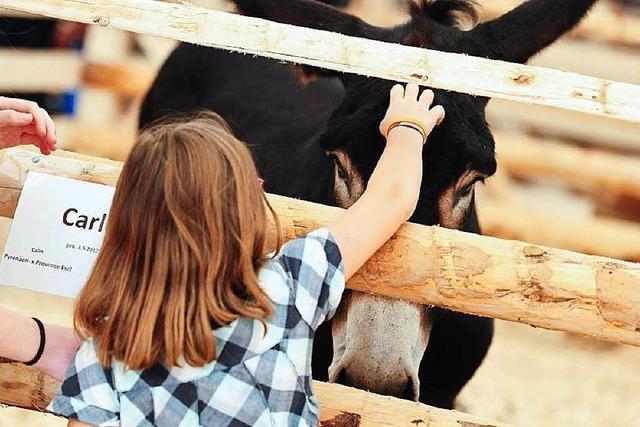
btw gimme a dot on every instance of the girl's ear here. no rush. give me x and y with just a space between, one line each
529 28
311 14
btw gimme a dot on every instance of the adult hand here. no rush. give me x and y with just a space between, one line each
24 122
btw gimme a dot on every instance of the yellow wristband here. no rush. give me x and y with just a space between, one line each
410 125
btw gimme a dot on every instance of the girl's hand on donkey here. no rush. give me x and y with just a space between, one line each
23 123
406 109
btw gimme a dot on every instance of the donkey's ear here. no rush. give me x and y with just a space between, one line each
311 14
307 13
529 28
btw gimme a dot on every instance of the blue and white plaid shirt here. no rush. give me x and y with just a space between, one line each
257 379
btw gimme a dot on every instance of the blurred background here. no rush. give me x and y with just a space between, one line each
565 180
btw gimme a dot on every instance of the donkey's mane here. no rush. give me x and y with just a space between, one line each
447 12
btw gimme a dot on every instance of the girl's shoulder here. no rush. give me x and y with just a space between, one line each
306 275
88 392
317 250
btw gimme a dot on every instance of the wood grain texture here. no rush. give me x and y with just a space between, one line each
341 406
510 280
461 73
25 387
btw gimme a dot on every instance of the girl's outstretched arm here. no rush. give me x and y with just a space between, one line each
393 190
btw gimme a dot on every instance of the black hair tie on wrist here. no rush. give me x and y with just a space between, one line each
43 340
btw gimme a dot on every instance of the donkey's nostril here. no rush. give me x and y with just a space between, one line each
406 389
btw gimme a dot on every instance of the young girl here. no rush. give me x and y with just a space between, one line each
186 322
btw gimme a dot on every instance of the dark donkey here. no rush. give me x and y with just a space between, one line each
320 142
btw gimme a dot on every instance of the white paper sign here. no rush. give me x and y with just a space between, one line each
56 234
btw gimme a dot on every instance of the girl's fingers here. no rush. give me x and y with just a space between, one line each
426 99
411 93
397 94
14 118
438 114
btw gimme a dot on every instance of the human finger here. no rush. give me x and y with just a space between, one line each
426 98
30 129
39 120
51 137
38 141
397 93
437 115
29 139
13 104
14 118
24 106
411 92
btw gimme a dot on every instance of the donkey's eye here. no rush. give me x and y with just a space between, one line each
341 172
468 189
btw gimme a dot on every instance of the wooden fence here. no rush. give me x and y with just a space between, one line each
510 280
501 215
461 73
544 287
340 406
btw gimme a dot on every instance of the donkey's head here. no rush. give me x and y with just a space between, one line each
379 343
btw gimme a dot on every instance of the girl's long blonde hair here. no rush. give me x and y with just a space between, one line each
185 239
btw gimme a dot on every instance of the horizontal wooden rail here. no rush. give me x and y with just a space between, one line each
39 70
521 282
584 169
341 406
10 13
508 218
569 125
603 24
22 71
610 238
130 79
323 49
614 62
211 4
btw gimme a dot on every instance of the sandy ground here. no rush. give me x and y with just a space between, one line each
540 378
531 378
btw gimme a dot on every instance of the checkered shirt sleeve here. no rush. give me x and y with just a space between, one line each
315 272
88 394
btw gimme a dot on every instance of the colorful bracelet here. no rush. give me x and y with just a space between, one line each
410 125
43 340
